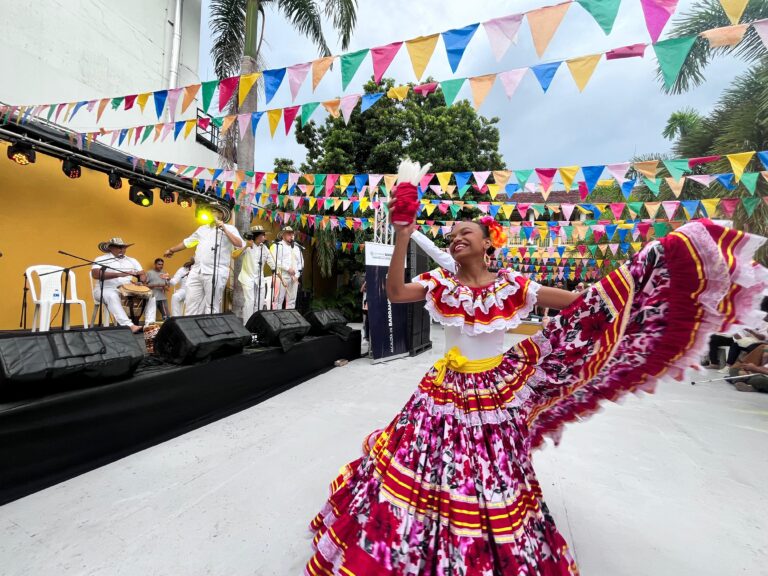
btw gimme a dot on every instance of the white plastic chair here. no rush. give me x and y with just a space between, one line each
48 293
106 317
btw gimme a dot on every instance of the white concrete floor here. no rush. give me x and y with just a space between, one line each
674 484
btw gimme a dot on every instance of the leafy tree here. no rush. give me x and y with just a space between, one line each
284 165
682 123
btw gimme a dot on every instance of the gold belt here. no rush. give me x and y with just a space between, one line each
454 361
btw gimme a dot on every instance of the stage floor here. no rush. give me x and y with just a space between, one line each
668 485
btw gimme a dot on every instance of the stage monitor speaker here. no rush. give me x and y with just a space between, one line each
419 322
95 353
329 321
189 339
278 327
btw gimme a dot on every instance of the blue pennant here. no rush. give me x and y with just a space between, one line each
627 187
456 42
272 81
177 128
494 209
462 178
691 207
511 188
545 73
610 230
360 181
123 132
591 176
623 235
282 179
763 156
255 117
160 98
369 100
726 180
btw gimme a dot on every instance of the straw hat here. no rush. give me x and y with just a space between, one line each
115 241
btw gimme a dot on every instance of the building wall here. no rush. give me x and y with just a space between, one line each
73 50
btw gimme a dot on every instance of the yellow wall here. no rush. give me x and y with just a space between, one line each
43 211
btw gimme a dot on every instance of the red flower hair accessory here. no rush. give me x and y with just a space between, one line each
495 230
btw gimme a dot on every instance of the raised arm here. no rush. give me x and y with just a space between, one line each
443 259
555 298
397 289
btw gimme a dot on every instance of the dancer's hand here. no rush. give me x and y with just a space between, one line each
401 230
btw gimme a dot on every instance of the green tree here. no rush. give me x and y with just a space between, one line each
682 123
284 165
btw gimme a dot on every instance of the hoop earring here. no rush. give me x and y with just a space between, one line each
487 260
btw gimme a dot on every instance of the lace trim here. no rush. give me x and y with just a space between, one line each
479 417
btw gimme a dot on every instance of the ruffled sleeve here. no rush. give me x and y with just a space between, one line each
501 305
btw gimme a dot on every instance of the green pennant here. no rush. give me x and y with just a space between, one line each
568 231
454 210
603 11
635 207
588 235
522 177
451 89
51 108
117 101
593 249
209 88
677 168
307 110
750 204
671 55
349 65
660 229
654 185
749 179
463 190
147 132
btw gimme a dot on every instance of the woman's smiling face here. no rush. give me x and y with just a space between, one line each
468 241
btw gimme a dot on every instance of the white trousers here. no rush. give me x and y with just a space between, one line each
177 302
198 297
250 293
115 306
287 293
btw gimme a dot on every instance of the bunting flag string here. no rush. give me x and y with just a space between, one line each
500 32
671 55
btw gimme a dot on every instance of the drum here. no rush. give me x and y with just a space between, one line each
150 333
134 291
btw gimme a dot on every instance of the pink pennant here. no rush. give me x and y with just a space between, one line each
204 123
425 89
511 80
436 189
670 207
522 209
296 76
567 210
729 205
657 14
618 171
129 102
631 51
481 177
703 179
226 89
382 57
598 231
348 104
545 177
289 115
583 190
502 33
167 127
243 122
173 100
330 183
761 27
426 180
644 229
618 209
373 180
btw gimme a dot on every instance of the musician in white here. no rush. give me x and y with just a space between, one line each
179 283
213 243
289 264
255 255
121 269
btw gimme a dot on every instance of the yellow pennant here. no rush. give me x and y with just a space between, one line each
582 68
398 93
444 178
389 181
430 208
452 187
739 163
734 9
189 125
333 106
336 203
493 190
647 168
274 119
501 177
543 23
481 86
607 183
725 36
269 177
675 185
507 209
364 202
420 50
344 181
319 68
312 202
141 100
710 206
246 83
568 173
190 92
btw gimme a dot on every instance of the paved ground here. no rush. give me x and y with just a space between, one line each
670 485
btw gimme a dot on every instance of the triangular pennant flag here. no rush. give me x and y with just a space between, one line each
545 73
670 207
568 173
245 84
710 206
522 176
749 180
675 185
272 81
190 93
657 14
671 55
451 89
761 27
333 106
502 33
369 100
567 209
289 115
255 117
734 9
481 177
635 208
444 178
501 177
763 157
307 110
173 101
739 163
348 104
462 178
160 97
226 90
647 168
425 89
750 204
677 168
618 171
631 51
543 23
703 179
603 11
729 206
654 184
420 50
296 76
398 93
545 177
726 181
382 57
456 42
617 209
511 80
725 36
274 119
582 68
243 123
319 68
481 86
652 208
209 88
349 64
591 176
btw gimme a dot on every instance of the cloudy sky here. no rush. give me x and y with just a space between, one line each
621 112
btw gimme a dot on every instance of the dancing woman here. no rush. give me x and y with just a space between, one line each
448 488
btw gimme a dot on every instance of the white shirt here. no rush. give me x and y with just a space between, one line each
254 259
179 279
443 259
204 239
287 258
124 264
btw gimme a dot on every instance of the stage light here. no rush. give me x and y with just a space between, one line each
21 153
167 196
203 214
71 168
141 196
115 181
184 201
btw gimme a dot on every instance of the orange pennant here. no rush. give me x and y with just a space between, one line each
481 86
543 23
333 107
190 93
319 68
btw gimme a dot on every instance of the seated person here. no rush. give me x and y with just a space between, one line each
755 368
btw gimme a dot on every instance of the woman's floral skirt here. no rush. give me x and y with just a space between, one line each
448 489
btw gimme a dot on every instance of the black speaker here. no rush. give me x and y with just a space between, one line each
95 353
329 321
419 322
278 327
188 339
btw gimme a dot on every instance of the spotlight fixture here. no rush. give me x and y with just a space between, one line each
167 196
141 196
203 213
71 168
184 201
115 181
21 153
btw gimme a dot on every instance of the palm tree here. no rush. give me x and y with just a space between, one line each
238 27
682 123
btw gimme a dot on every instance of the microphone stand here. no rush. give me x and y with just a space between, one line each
273 304
260 276
215 266
23 319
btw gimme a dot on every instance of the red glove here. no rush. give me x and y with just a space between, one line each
406 204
